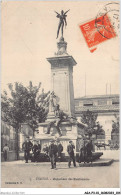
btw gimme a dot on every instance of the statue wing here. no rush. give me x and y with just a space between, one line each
66 12
58 15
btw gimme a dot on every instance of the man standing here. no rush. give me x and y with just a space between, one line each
60 149
27 146
36 150
5 152
52 154
83 153
89 148
70 150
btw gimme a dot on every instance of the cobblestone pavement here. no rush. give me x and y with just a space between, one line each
37 175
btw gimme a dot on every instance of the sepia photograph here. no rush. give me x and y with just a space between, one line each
60 94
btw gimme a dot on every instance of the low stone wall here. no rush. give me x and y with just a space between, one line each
11 156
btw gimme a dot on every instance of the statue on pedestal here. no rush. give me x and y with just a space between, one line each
53 102
62 21
59 117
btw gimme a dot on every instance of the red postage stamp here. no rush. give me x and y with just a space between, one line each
96 31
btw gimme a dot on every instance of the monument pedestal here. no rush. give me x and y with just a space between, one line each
62 78
70 131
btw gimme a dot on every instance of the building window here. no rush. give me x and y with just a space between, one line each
115 101
88 103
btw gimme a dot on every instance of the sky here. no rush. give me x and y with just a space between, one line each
28 37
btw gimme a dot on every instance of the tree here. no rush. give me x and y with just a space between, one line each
93 127
24 104
115 125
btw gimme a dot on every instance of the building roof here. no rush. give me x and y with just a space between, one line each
97 97
98 108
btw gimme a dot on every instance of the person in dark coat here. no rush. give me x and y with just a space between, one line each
70 150
83 153
27 146
36 150
52 154
89 148
60 149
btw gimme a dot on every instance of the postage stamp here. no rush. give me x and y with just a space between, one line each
105 26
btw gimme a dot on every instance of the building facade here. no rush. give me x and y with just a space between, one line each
106 106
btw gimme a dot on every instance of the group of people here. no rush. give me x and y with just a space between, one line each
54 151
57 149
85 154
27 146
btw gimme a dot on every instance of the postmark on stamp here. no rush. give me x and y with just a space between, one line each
105 26
109 12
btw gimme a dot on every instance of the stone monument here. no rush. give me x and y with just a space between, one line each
62 94
62 77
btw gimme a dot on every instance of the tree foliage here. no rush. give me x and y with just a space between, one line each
115 124
93 126
24 104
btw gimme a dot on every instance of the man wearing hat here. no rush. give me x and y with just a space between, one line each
27 146
83 152
70 150
52 154
89 148
60 149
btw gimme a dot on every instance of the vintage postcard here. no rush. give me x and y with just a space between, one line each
60 94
